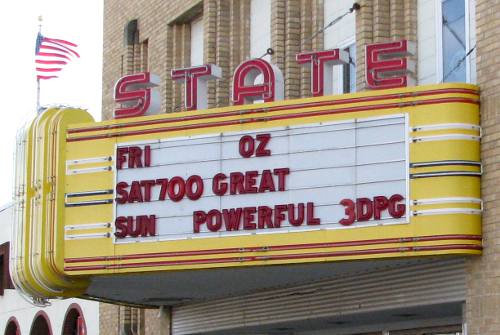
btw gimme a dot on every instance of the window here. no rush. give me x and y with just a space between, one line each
348 72
131 40
197 41
185 48
341 36
446 41
74 322
145 55
135 58
41 324
454 41
12 327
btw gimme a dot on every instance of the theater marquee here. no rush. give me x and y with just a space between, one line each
382 174
308 177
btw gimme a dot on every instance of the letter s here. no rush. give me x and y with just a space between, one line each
121 227
135 95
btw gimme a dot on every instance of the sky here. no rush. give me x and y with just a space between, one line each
79 84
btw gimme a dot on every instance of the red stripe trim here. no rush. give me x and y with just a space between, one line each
277 248
60 62
56 40
48 47
276 108
278 257
46 77
63 44
51 54
274 118
48 70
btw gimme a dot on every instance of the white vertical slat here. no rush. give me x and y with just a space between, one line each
426 32
260 28
197 42
340 35
434 282
472 77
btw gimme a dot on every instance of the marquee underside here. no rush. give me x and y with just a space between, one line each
191 286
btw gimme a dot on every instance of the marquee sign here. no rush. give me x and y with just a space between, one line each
387 66
327 175
372 175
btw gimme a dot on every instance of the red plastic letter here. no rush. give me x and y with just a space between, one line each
350 212
199 218
195 84
219 186
214 220
121 227
387 65
263 140
396 209
121 157
380 204
322 63
246 91
364 209
135 95
246 146
190 192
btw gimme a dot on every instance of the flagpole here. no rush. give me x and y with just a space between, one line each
38 107
38 96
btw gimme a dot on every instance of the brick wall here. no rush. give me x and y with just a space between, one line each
155 24
380 21
162 42
163 34
483 282
117 320
164 25
108 318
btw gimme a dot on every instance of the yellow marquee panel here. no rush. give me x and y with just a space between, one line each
66 186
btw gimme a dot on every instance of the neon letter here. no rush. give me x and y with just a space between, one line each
322 63
134 93
246 91
387 65
195 83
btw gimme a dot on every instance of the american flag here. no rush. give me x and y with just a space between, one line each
51 55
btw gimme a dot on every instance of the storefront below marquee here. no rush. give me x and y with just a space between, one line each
401 297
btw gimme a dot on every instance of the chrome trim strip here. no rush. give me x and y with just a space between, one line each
441 126
445 211
89 170
444 163
448 137
88 193
87 236
89 203
431 201
87 226
89 160
446 174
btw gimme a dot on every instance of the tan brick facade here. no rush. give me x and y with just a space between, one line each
116 319
156 24
483 294
380 21
162 43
